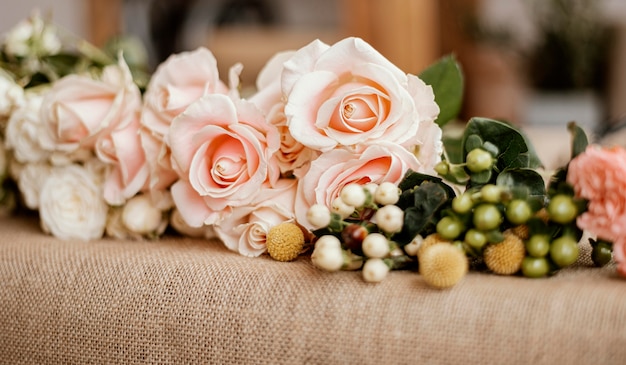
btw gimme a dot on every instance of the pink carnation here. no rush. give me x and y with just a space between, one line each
598 176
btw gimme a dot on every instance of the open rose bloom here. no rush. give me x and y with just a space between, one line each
598 175
322 117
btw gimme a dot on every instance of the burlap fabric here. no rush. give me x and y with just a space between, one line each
185 301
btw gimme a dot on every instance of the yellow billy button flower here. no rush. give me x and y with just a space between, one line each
442 265
505 258
285 241
431 239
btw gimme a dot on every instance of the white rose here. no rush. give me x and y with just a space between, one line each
31 37
25 133
11 94
16 41
141 216
31 178
71 204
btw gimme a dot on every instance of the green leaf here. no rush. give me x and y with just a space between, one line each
579 139
472 142
514 149
422 213
523 178
446 78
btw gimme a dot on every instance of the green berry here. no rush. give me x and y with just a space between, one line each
518 211
564 251
491 193
475 238
478 160
601 254
538 245
449 228
487 217
562 209
442 168
535 267
462 203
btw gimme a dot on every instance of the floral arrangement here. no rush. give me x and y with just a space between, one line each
338 153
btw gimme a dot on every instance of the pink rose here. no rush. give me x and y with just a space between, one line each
330 172
78 109
128 174
176 83
180 80
245 230
598 176
349 95
292 154
223 150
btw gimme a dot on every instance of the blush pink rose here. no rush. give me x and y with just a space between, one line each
177 82
224 151
291 154
330 172
597 175
128 172
79 109
245 229
350 95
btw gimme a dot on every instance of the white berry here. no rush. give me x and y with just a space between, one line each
327 254
318 216
412 247
354 195
387 193
375 245
340 207
390 218
375 270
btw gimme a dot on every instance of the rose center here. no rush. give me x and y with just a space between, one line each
348 110
227 169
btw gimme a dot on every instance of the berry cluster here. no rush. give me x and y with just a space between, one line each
509 231
356 231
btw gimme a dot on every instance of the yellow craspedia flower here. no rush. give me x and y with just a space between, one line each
285 241
522 231
442 265
505 258
431 239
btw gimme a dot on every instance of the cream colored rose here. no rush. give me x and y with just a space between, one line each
31 179
25 133
71 204
11 94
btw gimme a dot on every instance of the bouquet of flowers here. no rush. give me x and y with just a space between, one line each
338 153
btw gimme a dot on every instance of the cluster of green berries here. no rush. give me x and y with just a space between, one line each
512 233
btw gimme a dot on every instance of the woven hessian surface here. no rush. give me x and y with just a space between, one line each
181 301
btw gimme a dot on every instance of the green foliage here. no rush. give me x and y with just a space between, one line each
446 78
423 198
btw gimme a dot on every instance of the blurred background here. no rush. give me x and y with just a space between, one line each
530 62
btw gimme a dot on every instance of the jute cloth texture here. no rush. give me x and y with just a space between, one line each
183 301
